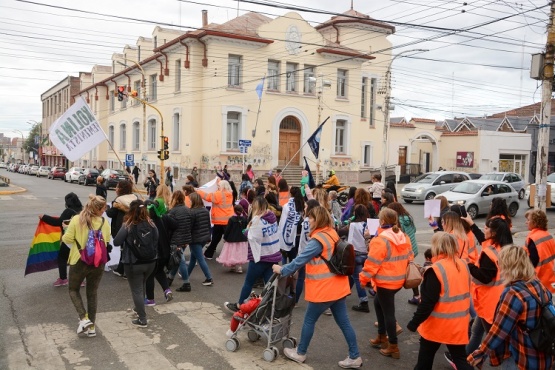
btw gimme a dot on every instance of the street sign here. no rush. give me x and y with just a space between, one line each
130 158
243 149
245 143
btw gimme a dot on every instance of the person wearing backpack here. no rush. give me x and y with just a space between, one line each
388 256
77 234
518 312
138 238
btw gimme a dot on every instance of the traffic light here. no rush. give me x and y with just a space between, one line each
166 154
134 93
121 91
166 143
160 155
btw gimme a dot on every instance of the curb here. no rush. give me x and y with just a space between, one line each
13 190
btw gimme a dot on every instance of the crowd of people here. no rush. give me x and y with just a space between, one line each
475 282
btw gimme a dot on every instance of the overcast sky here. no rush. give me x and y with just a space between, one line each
477 62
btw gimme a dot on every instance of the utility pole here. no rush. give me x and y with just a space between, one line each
540 199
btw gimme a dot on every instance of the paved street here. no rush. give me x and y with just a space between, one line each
39 321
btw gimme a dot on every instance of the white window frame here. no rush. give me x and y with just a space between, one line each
372 97
342 78
178 75
152 134
234 70
243 113
291 77
309 71
153 93
136 135
363 94
274 69
370 146
346 135
122 136
111 134
176 133
112 101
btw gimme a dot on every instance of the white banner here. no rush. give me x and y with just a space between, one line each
209 187
77 131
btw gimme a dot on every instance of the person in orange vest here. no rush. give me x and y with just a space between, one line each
445 304
323 289
283 189
541 247
453 225
388 256
221 211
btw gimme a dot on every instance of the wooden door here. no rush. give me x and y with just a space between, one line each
402 161
289 141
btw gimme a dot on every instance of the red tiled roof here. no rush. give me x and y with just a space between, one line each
526 111
460 133
424 120
352 16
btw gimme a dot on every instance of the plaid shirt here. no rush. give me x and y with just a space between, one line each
515 311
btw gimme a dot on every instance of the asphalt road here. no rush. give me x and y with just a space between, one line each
39 321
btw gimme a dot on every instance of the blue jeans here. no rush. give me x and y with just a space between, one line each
196 255
183 270
339 311
354 279
476 333
300 283
255 271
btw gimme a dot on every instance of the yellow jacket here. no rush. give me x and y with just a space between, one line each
75 231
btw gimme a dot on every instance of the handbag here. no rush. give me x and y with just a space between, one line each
413 277
175 257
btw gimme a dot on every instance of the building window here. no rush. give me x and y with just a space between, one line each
373 90
124 102
273 75
152 87
176 134
233 129
155 39
363 91
137 88
112 101
341 136
178 75
122 136
152 134
136 135
291 77
366 155
111 135
308 73
342 83
234 71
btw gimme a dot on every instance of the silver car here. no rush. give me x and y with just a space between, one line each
513 179
476 196
430 184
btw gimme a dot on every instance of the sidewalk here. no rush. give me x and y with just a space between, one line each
11 189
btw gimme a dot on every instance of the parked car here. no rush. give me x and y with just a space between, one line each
515 180
33 170
112 177
57 173
43 171
550 181
475 176
21 169
430 184
88 176
73 174
476 196
3 165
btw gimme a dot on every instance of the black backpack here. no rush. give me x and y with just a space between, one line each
144 242
543 335
342 261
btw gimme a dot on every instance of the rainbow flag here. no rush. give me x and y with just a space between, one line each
45 247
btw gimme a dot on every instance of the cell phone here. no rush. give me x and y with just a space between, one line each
463 211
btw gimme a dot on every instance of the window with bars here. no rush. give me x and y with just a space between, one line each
234 75
233 129
291 77
342 83
273 75
152 134
136 135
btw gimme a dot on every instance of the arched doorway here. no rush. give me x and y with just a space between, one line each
289 140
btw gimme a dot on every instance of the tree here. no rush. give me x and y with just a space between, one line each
31 144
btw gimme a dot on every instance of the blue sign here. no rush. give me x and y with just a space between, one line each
129 164
245 142
243 149
130 158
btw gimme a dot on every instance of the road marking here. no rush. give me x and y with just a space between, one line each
6 197
29 196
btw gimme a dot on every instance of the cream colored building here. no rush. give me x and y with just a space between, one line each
204 84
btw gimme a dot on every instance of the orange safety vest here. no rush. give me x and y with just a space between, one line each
321 284
222 205
486 296
386 264
283 197
452 309
545 245
473 252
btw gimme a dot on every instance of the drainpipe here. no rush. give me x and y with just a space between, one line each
336 33
88 99
161 77
166 71
186 64
204 60
96 92
128 82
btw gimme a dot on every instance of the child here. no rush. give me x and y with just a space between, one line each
428 262
235 250
245 310
376 188
335 207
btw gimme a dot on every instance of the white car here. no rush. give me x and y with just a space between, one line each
73 174
33 170
43 171
550 181
3 165
513 179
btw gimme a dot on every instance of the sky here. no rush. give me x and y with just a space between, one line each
474 56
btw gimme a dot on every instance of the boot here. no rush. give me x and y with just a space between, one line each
392 350
380 341
362 307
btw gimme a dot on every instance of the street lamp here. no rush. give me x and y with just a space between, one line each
22 144
386 107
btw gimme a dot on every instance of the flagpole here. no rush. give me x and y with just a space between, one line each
259 104
306 142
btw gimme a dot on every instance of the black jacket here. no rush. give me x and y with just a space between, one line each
102 191
234 230
200 225
67 214
182 234
165 225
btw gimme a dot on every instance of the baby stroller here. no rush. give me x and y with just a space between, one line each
271 319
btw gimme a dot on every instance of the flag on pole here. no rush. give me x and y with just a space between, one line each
260 88
311 182
77 131
45 247
314 139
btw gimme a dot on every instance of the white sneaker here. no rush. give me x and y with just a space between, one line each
91 332
328 312
349 363
239 269
291 353
84 325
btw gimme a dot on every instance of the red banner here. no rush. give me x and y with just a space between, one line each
465 159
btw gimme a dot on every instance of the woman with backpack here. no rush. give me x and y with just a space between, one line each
518 311
138 230
323 289
77 235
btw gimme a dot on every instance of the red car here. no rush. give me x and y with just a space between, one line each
57 173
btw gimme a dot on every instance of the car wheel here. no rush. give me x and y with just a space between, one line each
472 211
408 201
430 196
513 209
521 194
